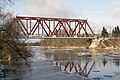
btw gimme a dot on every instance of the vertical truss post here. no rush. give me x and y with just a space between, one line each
49 28
30 27
70 26
27 26
38 30
42 29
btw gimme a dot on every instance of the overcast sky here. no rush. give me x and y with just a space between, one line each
98 12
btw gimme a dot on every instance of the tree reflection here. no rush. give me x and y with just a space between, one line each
117 63
104 62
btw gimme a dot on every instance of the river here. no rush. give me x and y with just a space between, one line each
106 67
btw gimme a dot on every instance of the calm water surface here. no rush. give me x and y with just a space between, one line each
106 67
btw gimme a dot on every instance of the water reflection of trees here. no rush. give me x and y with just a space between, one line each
104 62
116 62
65 56
60 56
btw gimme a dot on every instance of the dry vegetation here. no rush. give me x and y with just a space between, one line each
11 48
12 51
112 43
66 42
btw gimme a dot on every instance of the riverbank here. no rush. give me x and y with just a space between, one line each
74 47
66 42
108 43
43 70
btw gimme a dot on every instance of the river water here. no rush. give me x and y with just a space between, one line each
106 67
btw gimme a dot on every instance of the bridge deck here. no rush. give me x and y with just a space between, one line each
66 37
60 37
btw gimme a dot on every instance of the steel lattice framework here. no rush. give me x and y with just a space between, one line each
59 27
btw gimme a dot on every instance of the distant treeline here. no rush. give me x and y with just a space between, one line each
115 32
75 42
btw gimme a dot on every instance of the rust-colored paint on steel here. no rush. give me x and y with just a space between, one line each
85 67
50 19
66 66
77 67
80 68
72 66
43 25
90 69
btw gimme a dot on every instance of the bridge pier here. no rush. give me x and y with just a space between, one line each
95 43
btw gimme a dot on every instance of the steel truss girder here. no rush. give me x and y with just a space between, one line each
53 26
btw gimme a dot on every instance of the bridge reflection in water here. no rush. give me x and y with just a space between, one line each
75 66
89 63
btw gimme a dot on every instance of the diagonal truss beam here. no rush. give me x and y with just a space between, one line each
51 26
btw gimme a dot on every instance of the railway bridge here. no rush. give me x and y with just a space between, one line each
54 27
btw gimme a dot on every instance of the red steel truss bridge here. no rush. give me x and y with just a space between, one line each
54 27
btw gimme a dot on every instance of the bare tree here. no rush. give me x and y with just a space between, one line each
12 49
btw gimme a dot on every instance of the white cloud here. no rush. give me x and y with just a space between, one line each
116 9
97 23
60 8
116 12
48 8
